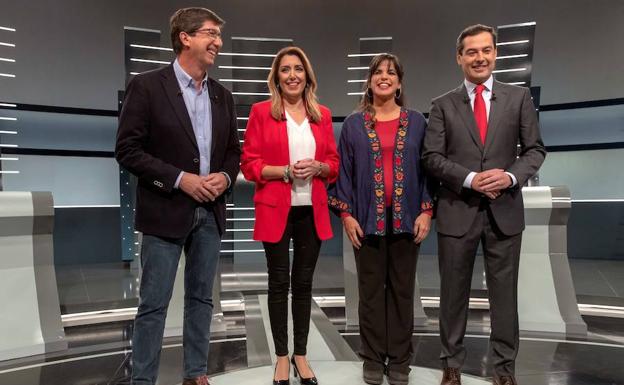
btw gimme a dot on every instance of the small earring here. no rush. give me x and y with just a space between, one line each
397 93
369 92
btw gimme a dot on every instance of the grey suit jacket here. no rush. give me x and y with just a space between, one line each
452 149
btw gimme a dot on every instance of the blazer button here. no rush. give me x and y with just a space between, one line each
195 160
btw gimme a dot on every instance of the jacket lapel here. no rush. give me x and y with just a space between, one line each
218 124
497 107
174 94
462 104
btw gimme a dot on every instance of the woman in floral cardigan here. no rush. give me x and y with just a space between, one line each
381 195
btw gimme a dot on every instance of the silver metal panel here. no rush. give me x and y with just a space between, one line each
45 276
31 322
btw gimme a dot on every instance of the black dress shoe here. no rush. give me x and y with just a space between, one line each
372 373
505 380
281 382
303 381
451 376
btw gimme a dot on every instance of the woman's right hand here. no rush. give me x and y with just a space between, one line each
353 230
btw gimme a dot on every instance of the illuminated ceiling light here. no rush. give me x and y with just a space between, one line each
509 70
529 24
252 93
149 61
151 47
512 56
364 54
512 42
243 80
247 54
245 68
260 38
376 38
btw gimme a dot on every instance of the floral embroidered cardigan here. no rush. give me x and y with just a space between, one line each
359 189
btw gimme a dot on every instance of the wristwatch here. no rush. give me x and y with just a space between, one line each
286 176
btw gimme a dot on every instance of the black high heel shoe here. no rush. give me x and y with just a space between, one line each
302 381
281 382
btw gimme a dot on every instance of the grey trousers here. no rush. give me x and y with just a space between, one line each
456 260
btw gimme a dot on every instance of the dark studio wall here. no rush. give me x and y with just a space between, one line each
70 52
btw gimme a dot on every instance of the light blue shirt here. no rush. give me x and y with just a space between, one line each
487 98
199 109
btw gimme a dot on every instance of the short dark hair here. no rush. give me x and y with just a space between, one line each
472 31
190 20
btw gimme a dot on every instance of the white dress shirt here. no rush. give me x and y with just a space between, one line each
301 145
487 98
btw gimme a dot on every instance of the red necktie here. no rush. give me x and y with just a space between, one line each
479 112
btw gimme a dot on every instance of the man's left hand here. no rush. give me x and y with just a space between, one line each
216 183
495 181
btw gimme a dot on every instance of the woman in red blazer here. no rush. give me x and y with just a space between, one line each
290 153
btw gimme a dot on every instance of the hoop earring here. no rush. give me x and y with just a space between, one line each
369 93
397 93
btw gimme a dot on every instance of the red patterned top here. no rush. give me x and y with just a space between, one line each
387 131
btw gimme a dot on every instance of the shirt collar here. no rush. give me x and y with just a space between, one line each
470 87
185 79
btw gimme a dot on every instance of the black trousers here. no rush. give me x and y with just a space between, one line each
386 268
456 259
306 245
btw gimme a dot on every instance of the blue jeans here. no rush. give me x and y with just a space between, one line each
159 261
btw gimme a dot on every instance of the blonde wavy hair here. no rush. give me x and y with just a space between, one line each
309 93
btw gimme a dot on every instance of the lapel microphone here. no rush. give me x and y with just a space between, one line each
493 96
466 99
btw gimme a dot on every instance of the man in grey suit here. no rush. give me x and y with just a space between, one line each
471 148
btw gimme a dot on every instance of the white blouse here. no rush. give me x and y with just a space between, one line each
301 145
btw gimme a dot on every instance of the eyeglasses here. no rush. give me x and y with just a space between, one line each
212 33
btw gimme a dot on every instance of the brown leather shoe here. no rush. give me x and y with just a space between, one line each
201 380
504 380
451 376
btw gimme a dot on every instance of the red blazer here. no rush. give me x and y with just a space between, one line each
266 144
